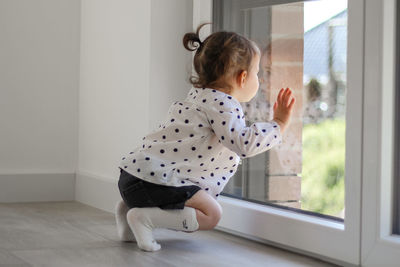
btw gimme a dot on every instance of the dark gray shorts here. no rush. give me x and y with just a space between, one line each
139 193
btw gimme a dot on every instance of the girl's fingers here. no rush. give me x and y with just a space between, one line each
286 97
292 103
280 96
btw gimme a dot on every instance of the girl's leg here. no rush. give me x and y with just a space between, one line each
123 229
208 210
143 220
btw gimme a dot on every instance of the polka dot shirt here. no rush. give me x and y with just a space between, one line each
200 143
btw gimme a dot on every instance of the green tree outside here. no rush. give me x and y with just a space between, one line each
322 186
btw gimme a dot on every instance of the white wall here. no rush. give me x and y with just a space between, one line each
133 67
39 79
170 62
39 76
114 81
81 83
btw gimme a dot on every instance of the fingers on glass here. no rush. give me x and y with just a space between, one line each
284 97
287 96
292 103
280 96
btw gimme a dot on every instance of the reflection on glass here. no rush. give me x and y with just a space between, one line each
307 54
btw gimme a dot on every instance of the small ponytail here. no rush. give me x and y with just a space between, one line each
192 38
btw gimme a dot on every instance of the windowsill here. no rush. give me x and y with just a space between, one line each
288 215
391 240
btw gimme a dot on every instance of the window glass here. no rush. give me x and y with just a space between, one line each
304 47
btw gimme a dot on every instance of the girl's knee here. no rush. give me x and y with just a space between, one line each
215 217
209 207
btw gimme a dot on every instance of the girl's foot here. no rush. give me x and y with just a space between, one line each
143 220
143 229
124 231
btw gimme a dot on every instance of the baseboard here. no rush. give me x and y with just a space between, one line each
37 187
96 191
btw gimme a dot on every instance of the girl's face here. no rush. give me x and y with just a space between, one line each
251 84
245 85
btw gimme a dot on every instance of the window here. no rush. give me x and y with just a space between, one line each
380 244
304 47
365 234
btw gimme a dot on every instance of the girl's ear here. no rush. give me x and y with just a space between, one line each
241 78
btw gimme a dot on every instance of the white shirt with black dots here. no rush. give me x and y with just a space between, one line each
200 143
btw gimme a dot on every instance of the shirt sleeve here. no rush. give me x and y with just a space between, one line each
227 121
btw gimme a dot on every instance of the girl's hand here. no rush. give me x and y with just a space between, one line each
283 109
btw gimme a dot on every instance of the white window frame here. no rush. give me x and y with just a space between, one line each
323 238
379 246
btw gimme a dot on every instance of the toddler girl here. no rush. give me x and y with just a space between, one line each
174 178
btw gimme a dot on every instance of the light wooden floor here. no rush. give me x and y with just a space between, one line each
73 234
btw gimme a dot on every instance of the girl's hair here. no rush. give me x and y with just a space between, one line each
219 58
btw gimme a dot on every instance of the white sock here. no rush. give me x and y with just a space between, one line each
124 231
143 220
